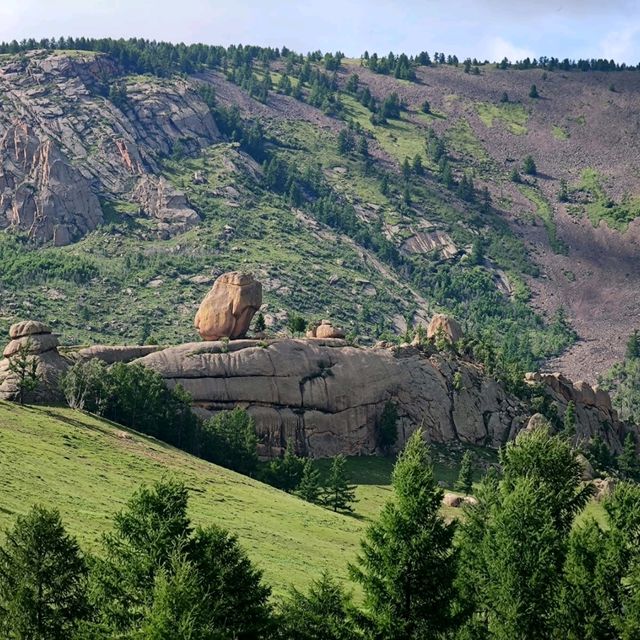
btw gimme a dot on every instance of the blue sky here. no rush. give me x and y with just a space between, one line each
482 28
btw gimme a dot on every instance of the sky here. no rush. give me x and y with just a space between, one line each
485 29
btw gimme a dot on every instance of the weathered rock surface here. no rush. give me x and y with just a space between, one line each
43 347
62 143
594 412
325 329
27 328
227 309
41 192
328 396
112 354
447 325
162 201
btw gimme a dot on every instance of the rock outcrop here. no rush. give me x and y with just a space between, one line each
325 329
329 396
594 412
448 326
41 192
62 143
112 354
227 309
43 348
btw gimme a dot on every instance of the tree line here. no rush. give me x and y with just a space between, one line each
523 563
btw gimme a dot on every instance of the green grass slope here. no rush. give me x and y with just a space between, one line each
88 468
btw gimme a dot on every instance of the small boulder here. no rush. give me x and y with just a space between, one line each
447 325
326 330
536 421
452 500
588 472
604 487
227 309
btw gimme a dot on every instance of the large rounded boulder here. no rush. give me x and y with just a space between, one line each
227 309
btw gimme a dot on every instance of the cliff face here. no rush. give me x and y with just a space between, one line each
63 144
328 396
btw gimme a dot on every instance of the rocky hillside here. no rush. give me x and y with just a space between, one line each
123 196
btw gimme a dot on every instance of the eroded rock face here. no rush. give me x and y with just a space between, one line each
62 143
159 199
594 412
43 347
447 325
227 309
329 396
41 192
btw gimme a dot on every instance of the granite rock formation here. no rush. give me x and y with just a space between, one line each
228 308
43 347
448 326
63 144
329 396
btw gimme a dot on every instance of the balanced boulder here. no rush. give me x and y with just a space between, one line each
42 346
227 310
446 326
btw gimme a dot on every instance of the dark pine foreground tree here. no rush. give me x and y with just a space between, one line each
407 564
42 579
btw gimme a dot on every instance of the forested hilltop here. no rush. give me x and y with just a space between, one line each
374 191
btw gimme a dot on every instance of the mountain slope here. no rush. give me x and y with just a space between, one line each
213 170
88 468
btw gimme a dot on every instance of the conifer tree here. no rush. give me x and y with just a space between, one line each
42 579
628 459
407 565
465 476
326 612
259 325
633 346
309 488
529 166
338 494
570 418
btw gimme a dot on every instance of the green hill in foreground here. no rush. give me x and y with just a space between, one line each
88 468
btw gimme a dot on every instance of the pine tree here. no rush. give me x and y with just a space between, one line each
42 579
514 176
155 573
176 607
338 494
465 476
417 165
563 194
24 367
529 166
326 612
628 459
406 565
633 346
259 325
533 92
309 488
570 419
286 472
387 431
406 169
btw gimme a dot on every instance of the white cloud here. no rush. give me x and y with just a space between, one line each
620 45
499 48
